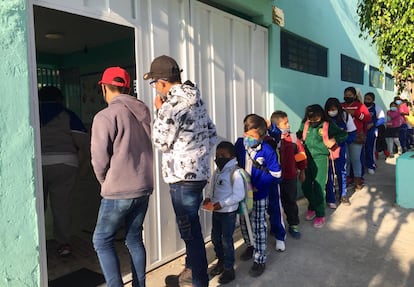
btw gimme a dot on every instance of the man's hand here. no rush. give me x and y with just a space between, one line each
158 102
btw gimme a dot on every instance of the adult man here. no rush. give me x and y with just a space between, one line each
64 143
122 159
185 134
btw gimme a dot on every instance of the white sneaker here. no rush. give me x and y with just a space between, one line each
371 171
280 245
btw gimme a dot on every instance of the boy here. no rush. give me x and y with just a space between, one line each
259 159
292 158
226 192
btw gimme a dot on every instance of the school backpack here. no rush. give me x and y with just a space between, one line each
333 152
246 205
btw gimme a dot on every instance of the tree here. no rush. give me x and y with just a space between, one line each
390 23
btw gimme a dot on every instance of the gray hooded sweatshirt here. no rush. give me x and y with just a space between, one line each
121 149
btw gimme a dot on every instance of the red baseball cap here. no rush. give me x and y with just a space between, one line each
115 76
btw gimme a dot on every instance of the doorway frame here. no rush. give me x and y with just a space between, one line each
34 111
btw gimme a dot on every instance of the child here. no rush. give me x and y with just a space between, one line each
377 119
226 193
317 153
337 115
292 158
259 159
392 132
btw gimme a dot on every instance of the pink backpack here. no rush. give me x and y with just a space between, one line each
334 151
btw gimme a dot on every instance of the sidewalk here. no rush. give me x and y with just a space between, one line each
370 243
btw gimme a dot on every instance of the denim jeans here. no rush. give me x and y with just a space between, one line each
114 214
354 159
186 197
224 224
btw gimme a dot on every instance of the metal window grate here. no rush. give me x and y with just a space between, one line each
48 77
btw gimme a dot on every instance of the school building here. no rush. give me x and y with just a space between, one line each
246 56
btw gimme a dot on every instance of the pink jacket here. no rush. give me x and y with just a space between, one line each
394 119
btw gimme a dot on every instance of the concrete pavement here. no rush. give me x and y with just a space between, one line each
369 243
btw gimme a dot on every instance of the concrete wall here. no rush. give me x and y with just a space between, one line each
334 25
19 243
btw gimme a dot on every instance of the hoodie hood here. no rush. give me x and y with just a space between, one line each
139 111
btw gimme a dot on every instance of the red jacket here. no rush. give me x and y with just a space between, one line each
361 115
292 156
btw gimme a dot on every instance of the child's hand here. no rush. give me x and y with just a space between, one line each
217 206
207 200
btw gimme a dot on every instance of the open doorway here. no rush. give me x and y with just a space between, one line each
71 53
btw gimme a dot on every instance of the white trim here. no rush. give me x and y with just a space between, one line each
34 111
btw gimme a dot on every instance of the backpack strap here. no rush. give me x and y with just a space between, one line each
305 130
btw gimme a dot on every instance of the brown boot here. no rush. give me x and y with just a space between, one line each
358 183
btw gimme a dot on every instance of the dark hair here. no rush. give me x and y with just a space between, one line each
254 121
370 94
50 94
121 90
393 103
315 111
334 102
277 116
228 146
350 89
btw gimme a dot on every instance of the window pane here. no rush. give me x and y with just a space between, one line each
352 70
302 55
375 77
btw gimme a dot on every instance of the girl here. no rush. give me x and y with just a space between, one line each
392 132
341 118
317 152
361 117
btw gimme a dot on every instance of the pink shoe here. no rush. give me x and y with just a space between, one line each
319 222
310 214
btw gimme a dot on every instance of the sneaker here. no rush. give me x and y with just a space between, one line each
247 254
310 215
371 171
64 250
332 205
294 231
217 269
319 222
257 269
227 276
184 278
345 201
280 245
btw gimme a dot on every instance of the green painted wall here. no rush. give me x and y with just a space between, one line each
19 243
334 25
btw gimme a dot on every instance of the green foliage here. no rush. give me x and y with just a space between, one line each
390 23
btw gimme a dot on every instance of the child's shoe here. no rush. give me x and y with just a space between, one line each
184 278
310 215
227 276
217 269
319 222
371 171
247 254
332 205
280 245
257 269
294 231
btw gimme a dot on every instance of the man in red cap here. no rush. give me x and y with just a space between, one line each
122 159
185 134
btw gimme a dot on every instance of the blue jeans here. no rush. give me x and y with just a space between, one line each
186 197
224 224
113 214
353 159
